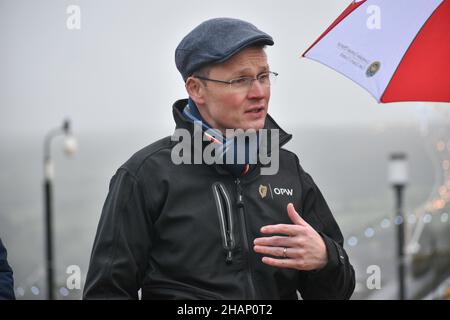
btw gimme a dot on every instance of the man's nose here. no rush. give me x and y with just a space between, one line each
257 90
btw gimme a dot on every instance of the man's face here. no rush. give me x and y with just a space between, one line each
225 108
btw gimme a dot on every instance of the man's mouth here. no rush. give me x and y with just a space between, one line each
255 110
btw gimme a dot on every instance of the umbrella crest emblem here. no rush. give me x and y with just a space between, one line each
373 69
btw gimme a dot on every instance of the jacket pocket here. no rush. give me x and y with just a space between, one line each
225 212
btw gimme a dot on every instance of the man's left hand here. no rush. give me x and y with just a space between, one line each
301 248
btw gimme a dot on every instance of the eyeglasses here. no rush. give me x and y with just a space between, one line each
245 83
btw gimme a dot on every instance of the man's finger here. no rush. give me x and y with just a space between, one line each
273 251
280 263
287 229
294 216
275 241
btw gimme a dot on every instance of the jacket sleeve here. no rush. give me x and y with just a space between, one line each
120 251
6 276
337 279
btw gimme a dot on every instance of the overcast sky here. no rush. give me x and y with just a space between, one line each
117 71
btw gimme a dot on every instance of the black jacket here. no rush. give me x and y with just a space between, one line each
186 231
6 276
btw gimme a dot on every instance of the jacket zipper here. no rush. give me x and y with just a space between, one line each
224 210
240 205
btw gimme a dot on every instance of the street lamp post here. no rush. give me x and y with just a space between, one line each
70 148
398 178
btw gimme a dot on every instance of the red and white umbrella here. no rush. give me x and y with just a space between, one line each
398 50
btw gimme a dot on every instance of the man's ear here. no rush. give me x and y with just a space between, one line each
195 90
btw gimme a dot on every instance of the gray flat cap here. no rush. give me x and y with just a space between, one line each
215 41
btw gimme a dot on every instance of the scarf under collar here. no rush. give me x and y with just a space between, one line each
237 170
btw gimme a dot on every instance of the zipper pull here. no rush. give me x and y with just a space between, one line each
229 247
229 258
240 198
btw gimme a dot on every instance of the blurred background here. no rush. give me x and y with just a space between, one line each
113 75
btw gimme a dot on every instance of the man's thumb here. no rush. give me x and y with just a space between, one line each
294 216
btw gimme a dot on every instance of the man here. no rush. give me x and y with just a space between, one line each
220 230
6 276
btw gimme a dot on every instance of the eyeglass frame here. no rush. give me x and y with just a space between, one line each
230 82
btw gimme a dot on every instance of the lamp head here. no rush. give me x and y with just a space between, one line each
398 169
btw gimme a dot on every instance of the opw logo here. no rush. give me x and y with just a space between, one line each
283 191
265 190
262 191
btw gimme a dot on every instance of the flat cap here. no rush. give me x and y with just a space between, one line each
215 41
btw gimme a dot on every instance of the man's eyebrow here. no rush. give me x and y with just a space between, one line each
247 71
